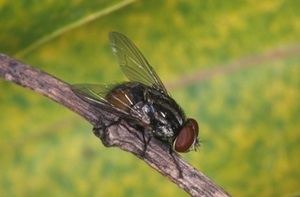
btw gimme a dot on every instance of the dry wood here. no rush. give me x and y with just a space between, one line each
119 135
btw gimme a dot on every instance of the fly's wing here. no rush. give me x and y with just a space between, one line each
95 95
133 63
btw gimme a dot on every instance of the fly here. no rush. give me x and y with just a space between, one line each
143 100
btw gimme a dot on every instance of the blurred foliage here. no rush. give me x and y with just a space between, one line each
250 120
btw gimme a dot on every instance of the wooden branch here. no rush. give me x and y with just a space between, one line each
120 135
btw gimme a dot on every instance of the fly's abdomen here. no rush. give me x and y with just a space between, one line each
121 98
126 95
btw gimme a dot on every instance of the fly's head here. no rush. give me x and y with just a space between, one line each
187 138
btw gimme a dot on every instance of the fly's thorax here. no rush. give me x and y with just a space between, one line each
152 107
141 111
166 115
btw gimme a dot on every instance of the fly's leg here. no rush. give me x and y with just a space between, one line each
100 130
145 138
180 175
146 142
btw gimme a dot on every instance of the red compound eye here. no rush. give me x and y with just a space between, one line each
187 136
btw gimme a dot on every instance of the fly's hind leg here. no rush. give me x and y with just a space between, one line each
100 130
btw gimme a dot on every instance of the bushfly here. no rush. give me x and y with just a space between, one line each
143 100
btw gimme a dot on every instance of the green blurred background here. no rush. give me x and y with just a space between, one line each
247 100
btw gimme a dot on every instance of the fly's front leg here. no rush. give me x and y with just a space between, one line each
171 151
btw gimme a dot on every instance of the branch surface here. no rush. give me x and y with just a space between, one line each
121 135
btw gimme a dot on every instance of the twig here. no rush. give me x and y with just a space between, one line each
120 135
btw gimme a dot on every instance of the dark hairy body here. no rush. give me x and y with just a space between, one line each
158 113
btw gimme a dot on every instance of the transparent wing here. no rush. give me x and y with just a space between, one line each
133 63
95 94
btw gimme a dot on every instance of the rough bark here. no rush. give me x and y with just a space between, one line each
119 135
